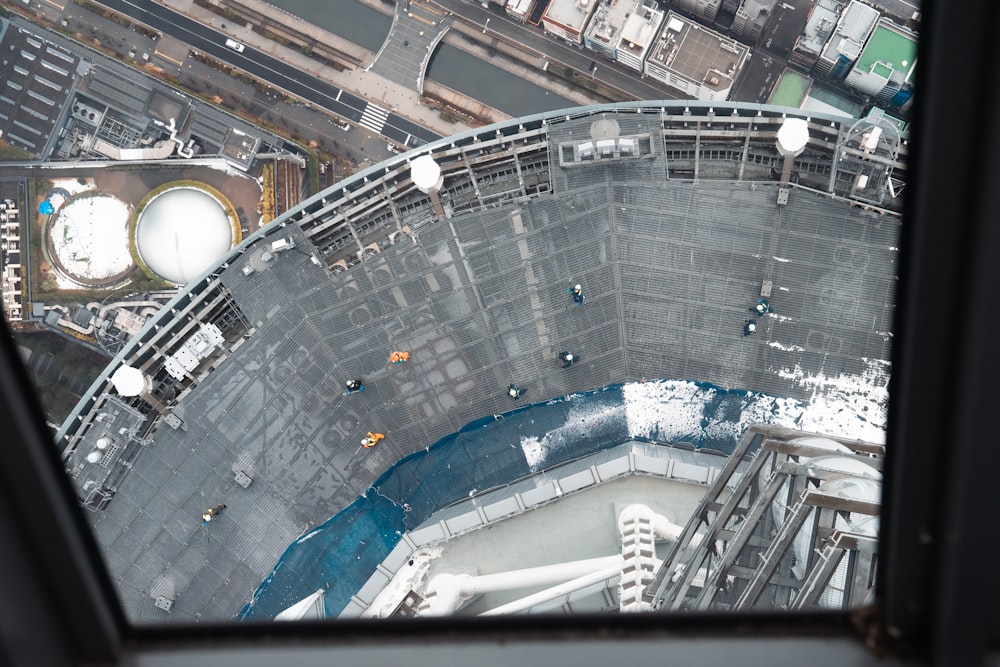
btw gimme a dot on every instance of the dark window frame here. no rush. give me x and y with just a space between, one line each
937 543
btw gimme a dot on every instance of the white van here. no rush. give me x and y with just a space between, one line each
235 46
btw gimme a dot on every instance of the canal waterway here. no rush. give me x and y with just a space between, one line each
491 85
449 66
354 21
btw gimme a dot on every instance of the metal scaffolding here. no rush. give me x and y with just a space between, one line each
797 530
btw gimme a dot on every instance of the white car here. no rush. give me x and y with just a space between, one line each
235 46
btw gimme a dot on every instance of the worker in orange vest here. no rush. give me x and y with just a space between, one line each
371 440
399 357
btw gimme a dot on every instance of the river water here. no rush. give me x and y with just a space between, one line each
491 85
350 19
449 66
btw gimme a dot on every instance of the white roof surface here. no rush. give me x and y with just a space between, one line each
182 232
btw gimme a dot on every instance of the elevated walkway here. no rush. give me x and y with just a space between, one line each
416 31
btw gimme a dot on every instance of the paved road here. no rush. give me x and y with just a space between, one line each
276 72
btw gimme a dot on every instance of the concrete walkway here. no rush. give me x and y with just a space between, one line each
415 33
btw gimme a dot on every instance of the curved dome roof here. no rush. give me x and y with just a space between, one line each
182 232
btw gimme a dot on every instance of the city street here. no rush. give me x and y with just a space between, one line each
270 69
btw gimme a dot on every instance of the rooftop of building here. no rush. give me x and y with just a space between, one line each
608 20
902 11
824 100
669 266
38 78
519 7
105 108
753 8
625 24
856 23
819 26
641 28
889 45
570 13
696 53
580 525
791 89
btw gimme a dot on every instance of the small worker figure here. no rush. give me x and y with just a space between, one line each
567 358
355 385
749 327
513 391
762 308
399 357
371 440
212 512
576 291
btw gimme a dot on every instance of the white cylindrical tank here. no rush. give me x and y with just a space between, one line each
793 137
426 174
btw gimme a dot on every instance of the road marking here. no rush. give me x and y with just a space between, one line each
374 118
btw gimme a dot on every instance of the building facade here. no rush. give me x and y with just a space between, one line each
751 18
519 9
706 10
10 252
819 27
844 48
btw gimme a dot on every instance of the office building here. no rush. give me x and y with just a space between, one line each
568 18
695 60
885 67
623 30
844 46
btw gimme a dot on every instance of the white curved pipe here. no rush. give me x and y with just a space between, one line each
446 592
663 527
554 592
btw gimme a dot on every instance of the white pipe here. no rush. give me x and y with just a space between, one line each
446 591
556 591
661 525
665 528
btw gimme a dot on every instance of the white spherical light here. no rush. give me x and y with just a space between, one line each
793 135
426 174
128 381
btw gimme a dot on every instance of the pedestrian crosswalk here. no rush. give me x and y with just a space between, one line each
374 117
